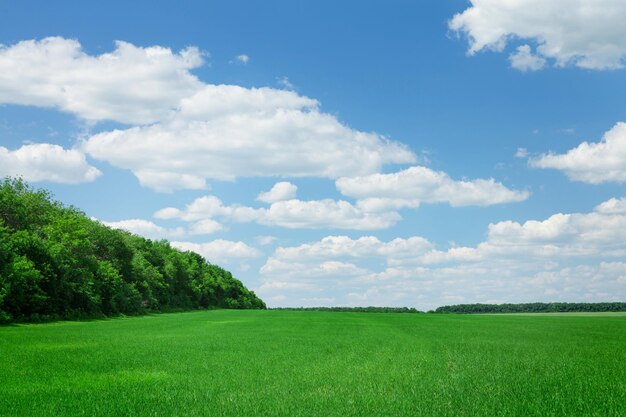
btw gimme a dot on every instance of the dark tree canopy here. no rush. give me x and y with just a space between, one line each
532 308
55 262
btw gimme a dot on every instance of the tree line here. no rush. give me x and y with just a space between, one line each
533 308
353 309
480 308
56 263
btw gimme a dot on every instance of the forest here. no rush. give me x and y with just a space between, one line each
533 308
56 263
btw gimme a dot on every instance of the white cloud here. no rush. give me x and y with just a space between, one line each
130 85
243 58
593 163
333 265
524 60
334 268
220 251
167 182
312 214
412 186
280 191
186 131
378 204
146 229
343 247
287 285
612 206
153 231
566 257
208 207
325 214
585 33
595 234
224 101
330 247
205 227
235 132
521 153
46 162
284 82
380 196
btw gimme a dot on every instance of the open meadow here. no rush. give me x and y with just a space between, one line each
304 363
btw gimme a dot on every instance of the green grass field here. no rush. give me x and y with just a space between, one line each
286 363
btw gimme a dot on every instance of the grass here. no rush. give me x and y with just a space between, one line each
290 363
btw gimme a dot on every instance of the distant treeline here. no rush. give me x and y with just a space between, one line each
57 263
532 308
479 308
354 309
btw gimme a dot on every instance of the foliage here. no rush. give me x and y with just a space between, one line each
309 363
57 263
370 309
532 308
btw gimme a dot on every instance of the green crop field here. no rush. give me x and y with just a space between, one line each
303 363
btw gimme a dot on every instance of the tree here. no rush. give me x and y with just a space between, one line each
56 262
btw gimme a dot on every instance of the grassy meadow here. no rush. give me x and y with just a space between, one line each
304 363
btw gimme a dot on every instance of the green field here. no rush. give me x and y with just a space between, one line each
289 363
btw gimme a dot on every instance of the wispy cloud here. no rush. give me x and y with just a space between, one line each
242 59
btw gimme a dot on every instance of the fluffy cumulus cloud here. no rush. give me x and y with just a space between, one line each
379 197
225 132
131 85
325 214
217 251
185 131
585 33
220 251
593 163
328 271
612 206
524 60
280 191
344 247
46 162
293 213
146 229
208 207
205 227
167 182
415 185
576 256
577 235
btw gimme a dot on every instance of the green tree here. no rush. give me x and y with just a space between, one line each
56 262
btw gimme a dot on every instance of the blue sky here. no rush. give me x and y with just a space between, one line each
418 153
